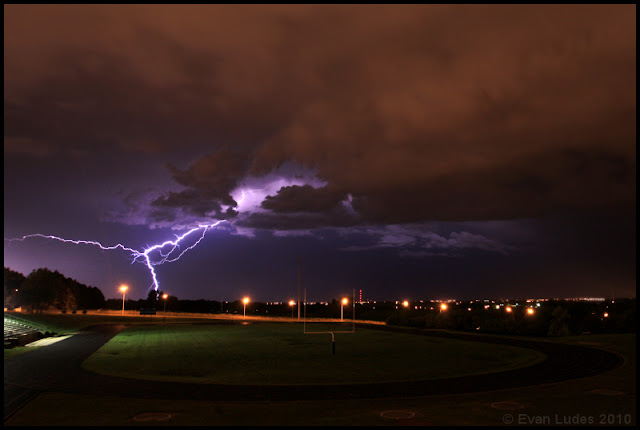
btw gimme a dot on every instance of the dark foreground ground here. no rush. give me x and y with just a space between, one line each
589 382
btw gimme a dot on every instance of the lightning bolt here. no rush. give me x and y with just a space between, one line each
168 251
155 255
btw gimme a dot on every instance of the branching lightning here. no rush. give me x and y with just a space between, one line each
155 255
161 253
169 251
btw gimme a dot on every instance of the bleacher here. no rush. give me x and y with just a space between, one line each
17 332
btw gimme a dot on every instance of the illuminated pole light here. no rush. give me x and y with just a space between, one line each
292 304
123 290
244 302
443 307
530 311
344 302
508 309
405 304
165 297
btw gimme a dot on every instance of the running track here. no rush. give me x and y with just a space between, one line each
57 368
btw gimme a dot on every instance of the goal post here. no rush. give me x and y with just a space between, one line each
331 332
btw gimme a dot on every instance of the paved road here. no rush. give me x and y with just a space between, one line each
57 368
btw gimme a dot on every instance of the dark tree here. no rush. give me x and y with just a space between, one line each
12 283
43 288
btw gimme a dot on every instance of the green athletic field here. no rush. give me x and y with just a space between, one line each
280 353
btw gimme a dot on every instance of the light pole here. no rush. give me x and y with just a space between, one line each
165 297
292 304
344 302
244 302
123 290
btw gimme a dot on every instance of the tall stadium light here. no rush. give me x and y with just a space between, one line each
244 302
344 302
165 297
123 290
292 303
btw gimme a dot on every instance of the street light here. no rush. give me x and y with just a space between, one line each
344 302
165 297
244 302
405 303
123 290
443 307
292 304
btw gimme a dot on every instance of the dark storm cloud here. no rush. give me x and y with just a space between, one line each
419 112
534 186
303 199
208 183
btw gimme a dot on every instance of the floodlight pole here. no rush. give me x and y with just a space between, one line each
299 284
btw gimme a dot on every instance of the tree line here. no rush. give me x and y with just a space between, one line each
44 289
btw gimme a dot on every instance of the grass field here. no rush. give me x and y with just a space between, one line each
278 353
607 396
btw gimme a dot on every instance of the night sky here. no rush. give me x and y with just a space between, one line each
414 152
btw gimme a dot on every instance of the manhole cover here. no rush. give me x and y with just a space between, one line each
153 416
507 405
397 415
606 392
